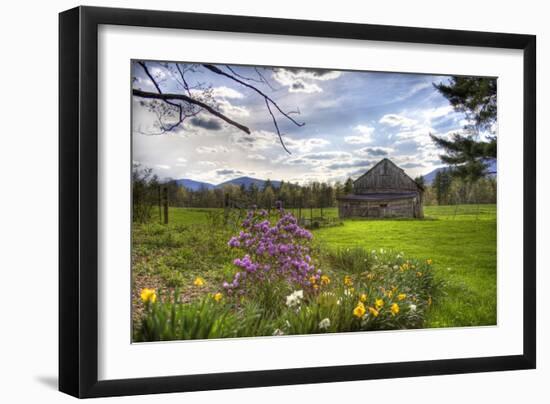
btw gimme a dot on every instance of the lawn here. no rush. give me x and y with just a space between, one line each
461 242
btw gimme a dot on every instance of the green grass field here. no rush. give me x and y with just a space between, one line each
461 241
462 246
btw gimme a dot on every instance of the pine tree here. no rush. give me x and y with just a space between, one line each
476 97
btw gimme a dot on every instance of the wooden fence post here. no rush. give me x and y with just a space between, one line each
160 206
165 205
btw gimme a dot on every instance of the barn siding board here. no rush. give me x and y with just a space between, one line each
383 191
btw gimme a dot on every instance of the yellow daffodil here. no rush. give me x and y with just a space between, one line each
348 281
419 274
370 276
373 311
401 296
199 281
217 297
394 309
148 295
325 280
379 303
389 294
359 310
429 261
363 298
312 280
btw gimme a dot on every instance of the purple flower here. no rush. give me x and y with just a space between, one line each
286 244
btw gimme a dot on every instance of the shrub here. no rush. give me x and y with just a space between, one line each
275 255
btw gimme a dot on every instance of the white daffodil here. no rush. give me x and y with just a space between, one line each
295 298
324 324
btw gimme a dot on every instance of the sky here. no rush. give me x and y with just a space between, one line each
351 121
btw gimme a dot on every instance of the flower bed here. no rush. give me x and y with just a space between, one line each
282 285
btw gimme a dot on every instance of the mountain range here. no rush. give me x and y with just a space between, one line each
430 177
246 181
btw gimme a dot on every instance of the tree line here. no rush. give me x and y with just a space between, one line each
150 194
449 189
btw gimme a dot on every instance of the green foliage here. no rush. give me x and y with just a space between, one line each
392 292
145 191
475 96
461 240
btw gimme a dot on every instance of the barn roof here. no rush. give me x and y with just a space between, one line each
399 168
378 196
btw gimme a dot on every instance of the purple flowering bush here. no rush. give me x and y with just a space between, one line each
274 253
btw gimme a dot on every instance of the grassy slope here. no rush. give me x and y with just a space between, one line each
463 248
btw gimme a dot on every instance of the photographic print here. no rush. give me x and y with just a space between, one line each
277 201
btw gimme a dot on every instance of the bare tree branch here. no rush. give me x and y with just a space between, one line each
276 127
216 70
182 97
190 101
261 79
176 105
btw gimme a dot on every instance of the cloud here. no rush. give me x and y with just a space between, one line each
364 137
433 113
226 92
303 80
305 145
257 140
210 124
376 151
256 157
313 74
162 166
298 161
231 110
300 86
397 120
411 165
326 155
350 164
227 171
214 149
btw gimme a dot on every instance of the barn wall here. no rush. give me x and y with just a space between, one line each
385 177
395 208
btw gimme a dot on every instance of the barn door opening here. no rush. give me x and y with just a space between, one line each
383 209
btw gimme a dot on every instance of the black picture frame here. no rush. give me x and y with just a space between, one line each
78 201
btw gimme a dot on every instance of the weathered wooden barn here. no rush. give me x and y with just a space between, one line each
383 191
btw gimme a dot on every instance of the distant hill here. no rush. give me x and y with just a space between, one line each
196 185
247 181
430 177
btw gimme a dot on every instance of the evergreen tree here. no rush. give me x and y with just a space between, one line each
476 97
348 186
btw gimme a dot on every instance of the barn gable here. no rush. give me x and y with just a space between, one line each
385 177
383 191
